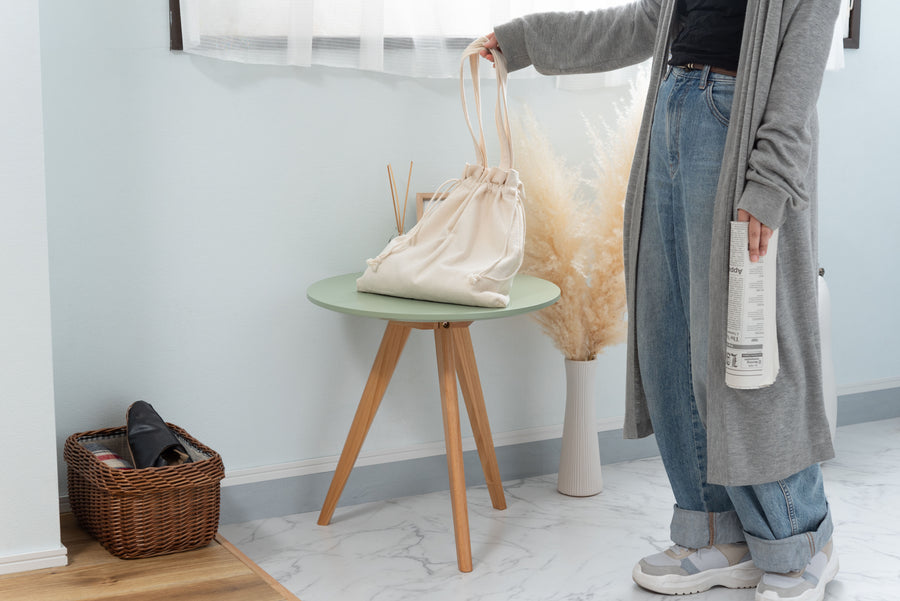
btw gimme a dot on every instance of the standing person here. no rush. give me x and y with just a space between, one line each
729 133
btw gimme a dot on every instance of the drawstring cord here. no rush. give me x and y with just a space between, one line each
474 278
403 241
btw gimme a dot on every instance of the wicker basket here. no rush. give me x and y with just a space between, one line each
144 512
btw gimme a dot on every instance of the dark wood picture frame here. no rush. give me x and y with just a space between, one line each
176 40
852 40
422 201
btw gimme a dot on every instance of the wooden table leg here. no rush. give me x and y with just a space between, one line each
470 383
443 342
392 343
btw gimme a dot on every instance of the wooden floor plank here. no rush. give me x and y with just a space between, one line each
218 572
84 554
98 581
246 587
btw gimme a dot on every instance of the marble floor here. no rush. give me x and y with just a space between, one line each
549 547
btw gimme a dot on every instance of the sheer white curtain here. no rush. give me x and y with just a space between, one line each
841 31
420 38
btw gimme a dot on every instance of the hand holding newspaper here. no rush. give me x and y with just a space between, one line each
751 345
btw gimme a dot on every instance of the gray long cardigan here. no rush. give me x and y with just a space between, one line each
769 170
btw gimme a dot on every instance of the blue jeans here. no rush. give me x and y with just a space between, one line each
784 522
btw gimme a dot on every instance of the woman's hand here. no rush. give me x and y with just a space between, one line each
491 42
758 234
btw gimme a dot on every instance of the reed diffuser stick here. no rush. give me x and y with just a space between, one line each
399 218
394 200
406 198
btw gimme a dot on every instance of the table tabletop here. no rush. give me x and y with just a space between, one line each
339 293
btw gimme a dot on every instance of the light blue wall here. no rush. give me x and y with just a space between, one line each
860 200
191 202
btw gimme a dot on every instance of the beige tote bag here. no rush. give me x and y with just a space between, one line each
467 248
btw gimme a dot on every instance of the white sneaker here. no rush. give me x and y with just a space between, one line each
805 585
681 571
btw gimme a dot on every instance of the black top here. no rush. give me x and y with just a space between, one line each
711 32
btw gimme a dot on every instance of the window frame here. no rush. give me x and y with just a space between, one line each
176 38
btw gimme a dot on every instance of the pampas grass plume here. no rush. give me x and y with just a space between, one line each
574 228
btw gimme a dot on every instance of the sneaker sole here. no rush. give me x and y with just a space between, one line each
813 594
744 575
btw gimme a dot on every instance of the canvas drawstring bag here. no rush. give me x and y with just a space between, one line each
467 247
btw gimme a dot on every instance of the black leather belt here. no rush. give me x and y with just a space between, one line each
719 70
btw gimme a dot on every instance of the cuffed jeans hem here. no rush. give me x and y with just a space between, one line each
790 554
698 529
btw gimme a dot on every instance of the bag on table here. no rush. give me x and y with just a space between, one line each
467 248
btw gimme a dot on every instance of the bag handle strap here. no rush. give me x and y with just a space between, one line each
501 112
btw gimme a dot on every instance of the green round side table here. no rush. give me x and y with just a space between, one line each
455 360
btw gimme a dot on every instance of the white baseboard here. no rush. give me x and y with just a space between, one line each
328 464
26 562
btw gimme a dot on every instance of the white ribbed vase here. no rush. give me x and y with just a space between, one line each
579 461
828 383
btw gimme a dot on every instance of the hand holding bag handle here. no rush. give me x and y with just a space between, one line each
501 113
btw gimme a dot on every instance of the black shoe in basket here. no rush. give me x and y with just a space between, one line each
151 442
